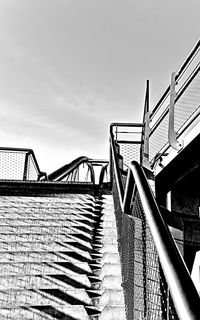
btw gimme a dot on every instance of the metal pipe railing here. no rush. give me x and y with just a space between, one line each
185 297
67 169
103 173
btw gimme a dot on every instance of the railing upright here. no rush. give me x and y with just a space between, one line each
25 175
144 160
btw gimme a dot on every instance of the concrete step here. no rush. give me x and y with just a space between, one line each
21 270
69 312
51 297
37 282
18 267
45 222
49 237
37 229
41 256
113 312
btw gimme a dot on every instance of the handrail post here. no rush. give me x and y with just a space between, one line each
92 173
146 131
128 194
25 174
171 131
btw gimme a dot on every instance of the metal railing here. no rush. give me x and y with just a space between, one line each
71 171
19 164
128 138
156 282
186 107
81 169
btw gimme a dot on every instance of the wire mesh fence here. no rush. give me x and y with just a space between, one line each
145 289
32 172
17 165
128 139
129 151
11 165
187 104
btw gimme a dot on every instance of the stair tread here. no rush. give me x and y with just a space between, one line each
30 314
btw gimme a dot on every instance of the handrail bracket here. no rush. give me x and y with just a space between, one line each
172 135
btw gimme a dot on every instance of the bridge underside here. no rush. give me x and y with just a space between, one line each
177 190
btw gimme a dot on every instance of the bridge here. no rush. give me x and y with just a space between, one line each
109 239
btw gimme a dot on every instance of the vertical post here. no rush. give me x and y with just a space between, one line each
174 143
110 155
116 132
168 308
146 131
144 249
25 174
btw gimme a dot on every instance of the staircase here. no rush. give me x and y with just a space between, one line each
59 258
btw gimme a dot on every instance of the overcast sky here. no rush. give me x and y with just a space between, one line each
68 68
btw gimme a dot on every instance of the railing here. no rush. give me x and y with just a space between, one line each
176 113
71 171
79 170
156 282
128 138
19 164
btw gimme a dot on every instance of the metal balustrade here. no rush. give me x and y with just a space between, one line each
156 282
128 137
82 170
186 107
19 164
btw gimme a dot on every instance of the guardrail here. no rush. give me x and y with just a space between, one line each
177 109
156 282
19 164
128 138
70 171
80 170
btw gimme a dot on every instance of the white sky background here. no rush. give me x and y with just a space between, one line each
68 68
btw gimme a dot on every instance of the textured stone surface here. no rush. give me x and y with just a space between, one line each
58 258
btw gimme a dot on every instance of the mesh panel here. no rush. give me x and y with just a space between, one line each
145 289
130 152
128 138
32 170
159 138
186 105
11 165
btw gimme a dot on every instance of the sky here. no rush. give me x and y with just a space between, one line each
68 68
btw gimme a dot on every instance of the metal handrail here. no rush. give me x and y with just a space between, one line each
185 297
103 173
65 170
